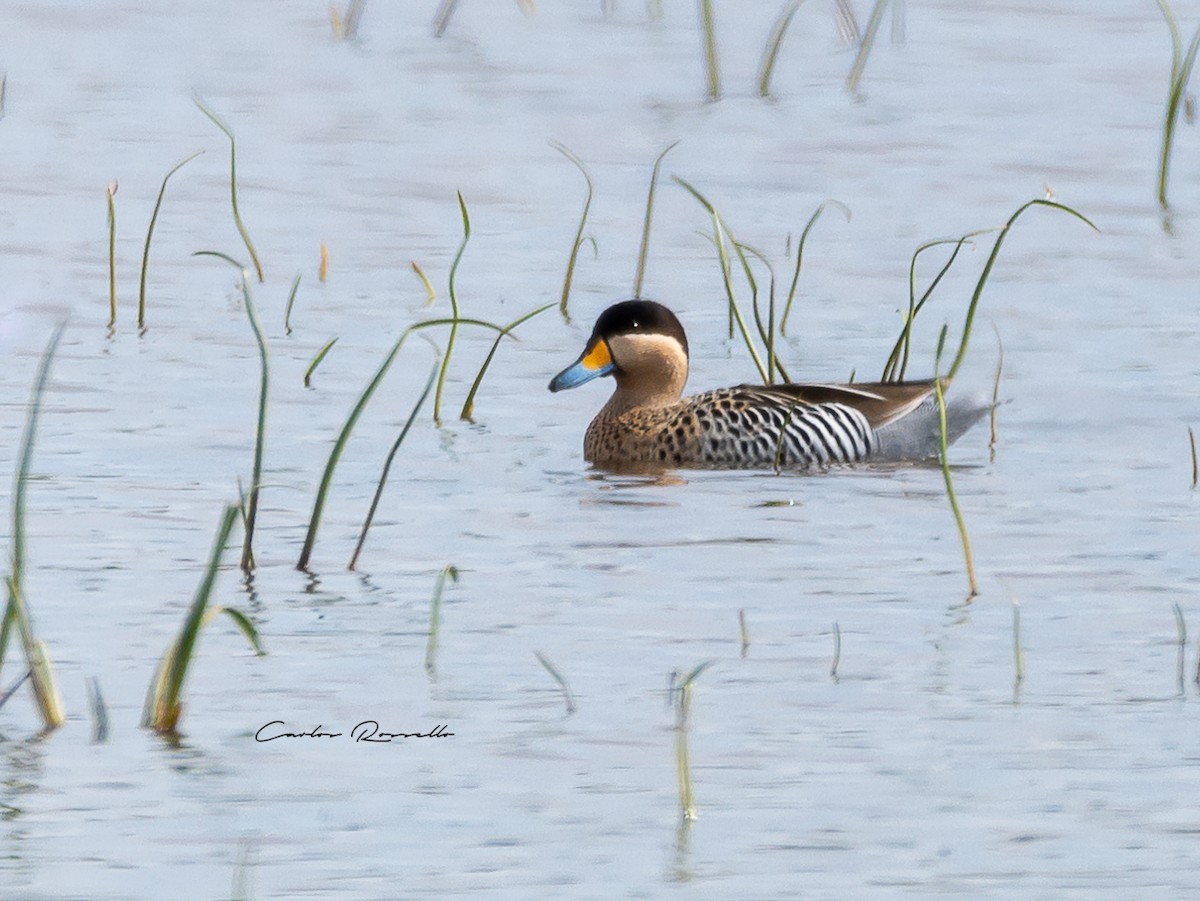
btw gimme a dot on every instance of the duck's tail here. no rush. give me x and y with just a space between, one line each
915 436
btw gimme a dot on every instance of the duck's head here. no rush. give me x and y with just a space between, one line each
642 345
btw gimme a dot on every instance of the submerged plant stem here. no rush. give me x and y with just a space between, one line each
645 245
466 222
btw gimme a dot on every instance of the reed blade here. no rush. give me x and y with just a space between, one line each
466 223
110 191
568 695
435 620
578 240
233 197
864 47
316 361
162 191
774 42
643 250
387 465
944 458
468 409
812 220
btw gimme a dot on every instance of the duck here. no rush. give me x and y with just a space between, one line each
647 423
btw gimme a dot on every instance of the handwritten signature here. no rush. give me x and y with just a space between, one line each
367 730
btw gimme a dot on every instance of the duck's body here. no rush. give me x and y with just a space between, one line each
647 422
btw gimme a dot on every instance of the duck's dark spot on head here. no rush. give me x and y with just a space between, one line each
639 317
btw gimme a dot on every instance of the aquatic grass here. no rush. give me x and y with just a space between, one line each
316 361
99 711
578 240
719 232
3 86
568 695
323 266
812 220
1181 72
466 223
345 24
1195 467
1181 640
264 384
164 704
744 632
435 619
162 191
774 42
291 301
712 68
897 361
387 464
441 18
765 332
430 294
783 430
847 22
865 45
643 250
944 459
237 217
995 397
16 614
468 408
343 437
987 270
687 800
1018 651
260 431
837 651
110 192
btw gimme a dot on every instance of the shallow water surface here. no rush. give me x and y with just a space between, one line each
920 770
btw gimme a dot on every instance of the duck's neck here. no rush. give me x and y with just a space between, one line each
661 387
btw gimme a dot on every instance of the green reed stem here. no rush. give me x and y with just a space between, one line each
774 42
987 270
468 408
1195 467
237 218
837 651
995 396
687 800
897 362
312 367
260 432
1181 640
435 620
164 706
442 18
864 48
387 465
291 301
744 632
645 246
578 240
110 191
812 220
568 696
16 614
720 231
944 457
466 221
712 68
162 191
1018 651
765 331
99 711
344 435
1181 72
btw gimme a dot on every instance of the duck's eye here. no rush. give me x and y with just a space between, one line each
635 324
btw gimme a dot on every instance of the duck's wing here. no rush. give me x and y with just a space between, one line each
880 402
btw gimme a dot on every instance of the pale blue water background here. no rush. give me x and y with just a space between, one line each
920 773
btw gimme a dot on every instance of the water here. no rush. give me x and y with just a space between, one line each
920 771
